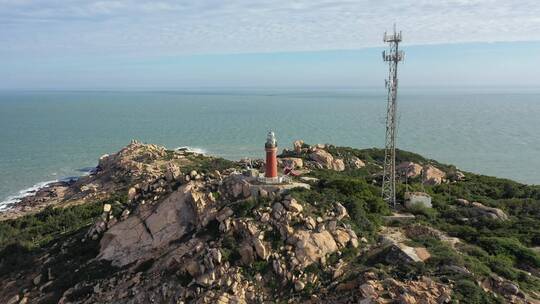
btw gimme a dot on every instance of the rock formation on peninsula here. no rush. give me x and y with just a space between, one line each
152 225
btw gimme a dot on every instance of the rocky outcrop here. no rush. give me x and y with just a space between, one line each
312 247
237 187
397 250
326 160
409 169
133 161
400 253
432 175
484 211
189 234
509 290
297 146
424 290
318 157
358 163
134 169
429 173
293 162
456 176
151 229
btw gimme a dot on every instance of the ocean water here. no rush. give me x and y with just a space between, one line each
52 135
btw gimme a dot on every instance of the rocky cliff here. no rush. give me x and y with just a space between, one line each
177 227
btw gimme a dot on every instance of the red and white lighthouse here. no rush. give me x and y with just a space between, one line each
271 156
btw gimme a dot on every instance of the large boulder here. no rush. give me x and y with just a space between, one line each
142 234
506 288
310 247
398 250
409 169
172 172
457 176
432 175
401 253
326 160
341 236
341 211
261 250
292 205
247 254
236 187
483 210
297 145
322 157
490 212
132 193
358 163
294 162
338 165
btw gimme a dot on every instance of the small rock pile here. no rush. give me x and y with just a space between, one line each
369 288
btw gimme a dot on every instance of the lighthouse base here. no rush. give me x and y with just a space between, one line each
274 180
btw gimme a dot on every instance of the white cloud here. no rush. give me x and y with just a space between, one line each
217 26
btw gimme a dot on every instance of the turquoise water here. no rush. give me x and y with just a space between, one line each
50 135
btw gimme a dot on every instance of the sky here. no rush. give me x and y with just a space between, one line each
135 44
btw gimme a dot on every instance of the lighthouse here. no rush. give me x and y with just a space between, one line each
271 157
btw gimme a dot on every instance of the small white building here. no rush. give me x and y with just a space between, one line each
417 199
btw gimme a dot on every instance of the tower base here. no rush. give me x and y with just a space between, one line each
274 180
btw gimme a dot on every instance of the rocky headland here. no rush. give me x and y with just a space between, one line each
152 225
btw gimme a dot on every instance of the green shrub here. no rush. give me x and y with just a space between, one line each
229 249
245 207
275 239
467 291
510 247
362 200
426 212
208 164
34 230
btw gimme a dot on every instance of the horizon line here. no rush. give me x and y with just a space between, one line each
256 87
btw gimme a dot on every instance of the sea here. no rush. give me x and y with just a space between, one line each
52 135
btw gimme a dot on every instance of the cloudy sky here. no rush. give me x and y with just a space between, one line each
138 44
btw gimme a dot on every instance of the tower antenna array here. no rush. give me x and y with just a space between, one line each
393 56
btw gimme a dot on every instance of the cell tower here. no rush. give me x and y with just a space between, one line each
393 56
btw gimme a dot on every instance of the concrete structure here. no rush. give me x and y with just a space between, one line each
271 156
417 199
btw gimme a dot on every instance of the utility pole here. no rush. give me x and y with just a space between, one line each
393 56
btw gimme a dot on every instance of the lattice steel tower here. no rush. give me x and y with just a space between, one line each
393 56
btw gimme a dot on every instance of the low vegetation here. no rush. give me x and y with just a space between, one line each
503 248
54 232
35 230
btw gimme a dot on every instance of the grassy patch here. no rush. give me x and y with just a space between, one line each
208 164
362 200
32 231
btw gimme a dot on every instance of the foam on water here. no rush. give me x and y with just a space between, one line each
193 150
13 199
